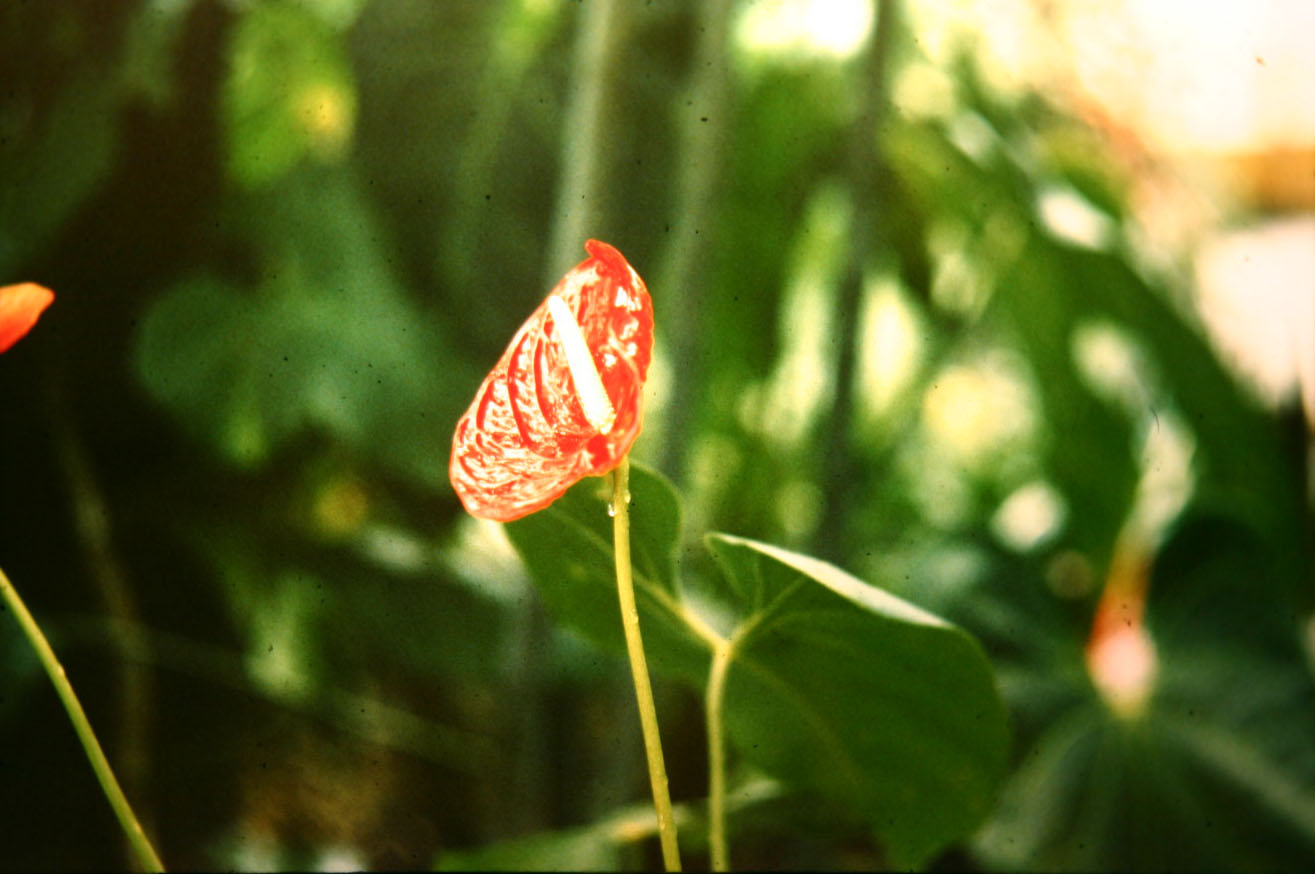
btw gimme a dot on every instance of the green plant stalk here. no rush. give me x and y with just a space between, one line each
127 819
657 769
717 847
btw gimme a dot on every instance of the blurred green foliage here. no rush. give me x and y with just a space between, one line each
288 239
289 95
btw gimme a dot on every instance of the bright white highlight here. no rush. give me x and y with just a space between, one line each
1112 364
1123 667
588 384
835 28
1029 516
1069 216
978 411
1257 297
890 349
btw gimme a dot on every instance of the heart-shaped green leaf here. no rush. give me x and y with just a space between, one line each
838 685
831 684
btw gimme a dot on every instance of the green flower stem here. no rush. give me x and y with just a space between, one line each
717 847
657 769
127 820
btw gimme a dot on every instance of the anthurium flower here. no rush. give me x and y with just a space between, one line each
1121 656
563 402
20 307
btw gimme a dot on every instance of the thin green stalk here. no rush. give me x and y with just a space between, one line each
704 130
657 769
585 131
717 847
127 820
866 171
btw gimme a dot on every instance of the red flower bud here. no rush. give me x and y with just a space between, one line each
540 423
20 307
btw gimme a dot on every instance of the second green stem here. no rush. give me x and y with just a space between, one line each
718 852
141 845
657 769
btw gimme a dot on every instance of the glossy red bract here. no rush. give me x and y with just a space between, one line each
20 307
525 438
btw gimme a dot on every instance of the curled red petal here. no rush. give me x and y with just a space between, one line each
20 307
526 438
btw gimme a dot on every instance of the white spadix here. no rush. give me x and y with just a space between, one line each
588 384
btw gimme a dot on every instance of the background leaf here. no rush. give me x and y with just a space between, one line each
1220 754
293 370
289 94
55 168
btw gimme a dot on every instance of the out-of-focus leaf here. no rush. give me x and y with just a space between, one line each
459 145
309 627
328 341
1239 460
50 172
1217 772
419 623
833 684
1089 454
797 131
1076 153
151 50
589 848
20 665
758 806
336 13
943 180
1224 728
289 94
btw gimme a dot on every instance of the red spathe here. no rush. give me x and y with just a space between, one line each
525 438
20 307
